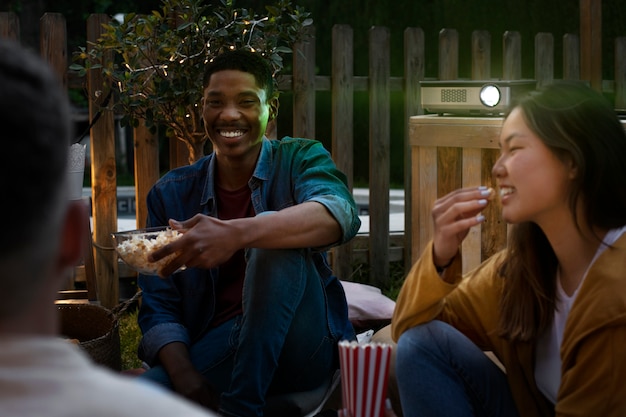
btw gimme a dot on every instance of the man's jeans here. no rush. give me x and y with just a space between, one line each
282 338
442 373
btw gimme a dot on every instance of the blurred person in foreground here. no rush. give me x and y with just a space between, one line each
552 305
42 374
257 311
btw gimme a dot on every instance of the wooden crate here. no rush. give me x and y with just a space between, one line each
450 152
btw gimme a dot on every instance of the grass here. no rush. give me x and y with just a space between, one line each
129 340
389 287
130 333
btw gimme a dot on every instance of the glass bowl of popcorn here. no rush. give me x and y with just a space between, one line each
134 246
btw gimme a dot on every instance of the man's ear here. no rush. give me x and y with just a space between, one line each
74 233
273 104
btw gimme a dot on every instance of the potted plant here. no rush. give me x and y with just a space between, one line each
159 62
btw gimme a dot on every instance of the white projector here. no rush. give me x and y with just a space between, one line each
472 98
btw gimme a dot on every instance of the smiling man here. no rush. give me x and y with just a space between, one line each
257 311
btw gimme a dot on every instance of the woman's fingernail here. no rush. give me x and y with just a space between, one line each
486 191
482 187
388 404
480 218
482 202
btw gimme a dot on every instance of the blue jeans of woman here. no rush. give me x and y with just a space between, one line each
280 344
442 373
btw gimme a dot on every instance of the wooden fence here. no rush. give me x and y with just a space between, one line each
304 84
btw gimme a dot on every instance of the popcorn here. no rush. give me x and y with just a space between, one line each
134 249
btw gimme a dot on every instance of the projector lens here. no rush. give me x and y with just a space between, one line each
490 95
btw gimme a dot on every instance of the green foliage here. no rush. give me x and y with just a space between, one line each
155 63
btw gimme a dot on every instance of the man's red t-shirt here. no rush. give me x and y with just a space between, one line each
231 205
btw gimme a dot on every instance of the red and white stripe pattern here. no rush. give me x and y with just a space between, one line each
364 371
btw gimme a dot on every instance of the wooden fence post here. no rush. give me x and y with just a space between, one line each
53 46
414 64
103 176
511 56
591 42
146 169
448 54
379 127
342 88
544 58
304 86
481 55
620 73
9 26
571 57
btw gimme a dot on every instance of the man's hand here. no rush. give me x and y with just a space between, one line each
206 243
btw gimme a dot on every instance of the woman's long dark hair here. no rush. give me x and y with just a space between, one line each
579 125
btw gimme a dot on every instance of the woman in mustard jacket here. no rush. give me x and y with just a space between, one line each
552 306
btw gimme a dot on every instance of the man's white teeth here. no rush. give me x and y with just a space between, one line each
505 191
231 133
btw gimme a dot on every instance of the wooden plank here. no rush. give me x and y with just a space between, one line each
472 177
494 230
146 169
571 57
544 58
324 83
424 195
103 177
449 169
481 55
379 152
9 26
448 54
53 44
304 86
591 42
620 73
512 56
423 135
342 125
414 64
361 248
433 119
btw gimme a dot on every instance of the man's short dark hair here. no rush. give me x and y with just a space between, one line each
245 61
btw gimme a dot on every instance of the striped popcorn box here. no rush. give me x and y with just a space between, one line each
364 371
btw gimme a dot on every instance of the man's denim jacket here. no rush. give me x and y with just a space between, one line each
289 171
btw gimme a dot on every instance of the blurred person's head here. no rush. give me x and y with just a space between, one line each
42 237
